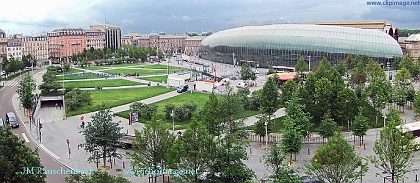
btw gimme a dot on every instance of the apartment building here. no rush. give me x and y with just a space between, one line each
413 45
3 44
112 35
37 46
95 39
191 44
66 42
14 48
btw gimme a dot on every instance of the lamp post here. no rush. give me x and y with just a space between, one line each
309 61
173 122
266 133
384 120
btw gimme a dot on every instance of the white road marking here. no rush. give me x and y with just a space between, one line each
25 137
49 152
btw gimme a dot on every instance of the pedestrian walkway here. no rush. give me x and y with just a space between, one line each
56 131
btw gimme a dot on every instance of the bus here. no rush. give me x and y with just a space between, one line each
414 128
283 69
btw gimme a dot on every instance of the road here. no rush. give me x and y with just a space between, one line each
6 94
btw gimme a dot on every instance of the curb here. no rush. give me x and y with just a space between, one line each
36 142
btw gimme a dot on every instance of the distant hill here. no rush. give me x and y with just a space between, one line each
407 32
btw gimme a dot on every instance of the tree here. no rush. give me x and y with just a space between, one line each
346 103
192 151
260 126
26 92
49 83
231 112
360 125
209 115
274 159
102 136
228 160
288 89
269 100
146 111
291 141
416 104
341 68
246 72
151 146
336 162
301 120
18 162
378 90
403 79
394 152
301 66
97 177
328 126
76 98
323 98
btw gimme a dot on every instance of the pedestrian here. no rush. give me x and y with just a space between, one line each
56 105
83 124
148 85
60 105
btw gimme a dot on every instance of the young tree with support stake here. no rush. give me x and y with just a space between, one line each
360 126
337 162
102 136
394 149
274 159
26 91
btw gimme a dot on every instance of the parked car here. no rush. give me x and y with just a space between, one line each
225 81
12 120
182 88
241 85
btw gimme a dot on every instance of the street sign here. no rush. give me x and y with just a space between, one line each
68 141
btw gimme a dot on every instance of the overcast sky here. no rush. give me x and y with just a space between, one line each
32 17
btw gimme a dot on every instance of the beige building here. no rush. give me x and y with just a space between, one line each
175 43
191 44
95 39
372 25
3 44
37 46
413 45
14 48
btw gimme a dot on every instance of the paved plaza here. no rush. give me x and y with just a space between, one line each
57 130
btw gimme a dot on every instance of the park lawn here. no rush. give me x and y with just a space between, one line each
155 78
199 99
139 71
117 97
122 65
103 83
161 66
71 70
74 76
95 68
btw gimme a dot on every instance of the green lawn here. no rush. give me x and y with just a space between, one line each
71 70
123 65
161 66
139 71
198 98
156 78
103 83
113 98
74 76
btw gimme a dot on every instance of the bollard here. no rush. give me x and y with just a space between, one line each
111 163
97 164
114 160
309 151
416 178
250 150
364 146
123 164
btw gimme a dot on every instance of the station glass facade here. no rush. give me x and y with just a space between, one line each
284 44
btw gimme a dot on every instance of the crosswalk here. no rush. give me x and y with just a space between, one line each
10 83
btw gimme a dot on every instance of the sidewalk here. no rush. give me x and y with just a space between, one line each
56 131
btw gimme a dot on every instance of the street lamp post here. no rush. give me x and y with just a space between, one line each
384 120
309 61
173 122
266 133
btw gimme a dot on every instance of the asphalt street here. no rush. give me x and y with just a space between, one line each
7 93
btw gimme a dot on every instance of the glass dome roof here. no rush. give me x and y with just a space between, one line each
306 37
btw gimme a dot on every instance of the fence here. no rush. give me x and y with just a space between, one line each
312 138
